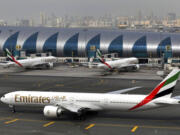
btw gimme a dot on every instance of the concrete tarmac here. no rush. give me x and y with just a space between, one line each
79 71
162 121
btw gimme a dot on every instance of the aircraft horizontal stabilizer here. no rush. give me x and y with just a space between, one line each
72 108
163 102
123 90
176 97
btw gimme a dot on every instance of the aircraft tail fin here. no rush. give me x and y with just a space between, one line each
9 54
99 56
101 59
166 87
11 57
163 89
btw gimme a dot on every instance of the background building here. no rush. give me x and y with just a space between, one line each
82 42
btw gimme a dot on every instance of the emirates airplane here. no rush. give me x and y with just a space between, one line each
117 65
36 62
56 103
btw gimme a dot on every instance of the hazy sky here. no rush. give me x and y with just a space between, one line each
12 9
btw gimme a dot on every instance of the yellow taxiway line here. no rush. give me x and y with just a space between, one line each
48 124
134 128
90 126
59 85
11 121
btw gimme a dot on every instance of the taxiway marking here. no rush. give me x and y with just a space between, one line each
39 85
59 85
5 118
11 121
48 124
100 82
90 126
97 124
134 128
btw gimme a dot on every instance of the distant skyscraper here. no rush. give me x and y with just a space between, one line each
151 15
31 22
25 22
139 17
22 22
171 16
43 19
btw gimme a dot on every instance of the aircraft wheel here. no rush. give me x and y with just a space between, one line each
82 117
12 107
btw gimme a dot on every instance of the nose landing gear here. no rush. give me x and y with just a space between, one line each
12 107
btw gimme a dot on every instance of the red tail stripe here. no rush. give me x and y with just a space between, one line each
149 97
16 61
103 61
108 65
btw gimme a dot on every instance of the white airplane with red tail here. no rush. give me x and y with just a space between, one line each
29 63
56 103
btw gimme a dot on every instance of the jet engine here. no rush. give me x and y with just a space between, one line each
52 111
136 67
50 65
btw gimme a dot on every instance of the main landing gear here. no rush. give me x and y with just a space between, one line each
81 116
12 107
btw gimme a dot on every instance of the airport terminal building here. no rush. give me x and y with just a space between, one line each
80 42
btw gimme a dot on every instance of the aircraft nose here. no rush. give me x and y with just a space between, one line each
2 99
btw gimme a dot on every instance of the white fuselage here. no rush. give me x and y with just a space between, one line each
94 101
32 62
125 62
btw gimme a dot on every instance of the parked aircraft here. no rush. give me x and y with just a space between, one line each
37 62
56 103
117 64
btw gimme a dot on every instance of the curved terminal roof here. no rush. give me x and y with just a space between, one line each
80 41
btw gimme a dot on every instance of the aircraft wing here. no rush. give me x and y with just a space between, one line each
127 65
123 90
7 64
73 108
38 64
87 64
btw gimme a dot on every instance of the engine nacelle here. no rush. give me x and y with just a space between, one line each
136 67
50 65
52 111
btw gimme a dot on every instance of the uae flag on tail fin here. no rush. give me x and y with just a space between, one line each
164 89
11 57
9 54
99 56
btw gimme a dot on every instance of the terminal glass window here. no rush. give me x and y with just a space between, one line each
50 44
116 45
11 42
162 46
30 44
71 46
95 42
140 47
